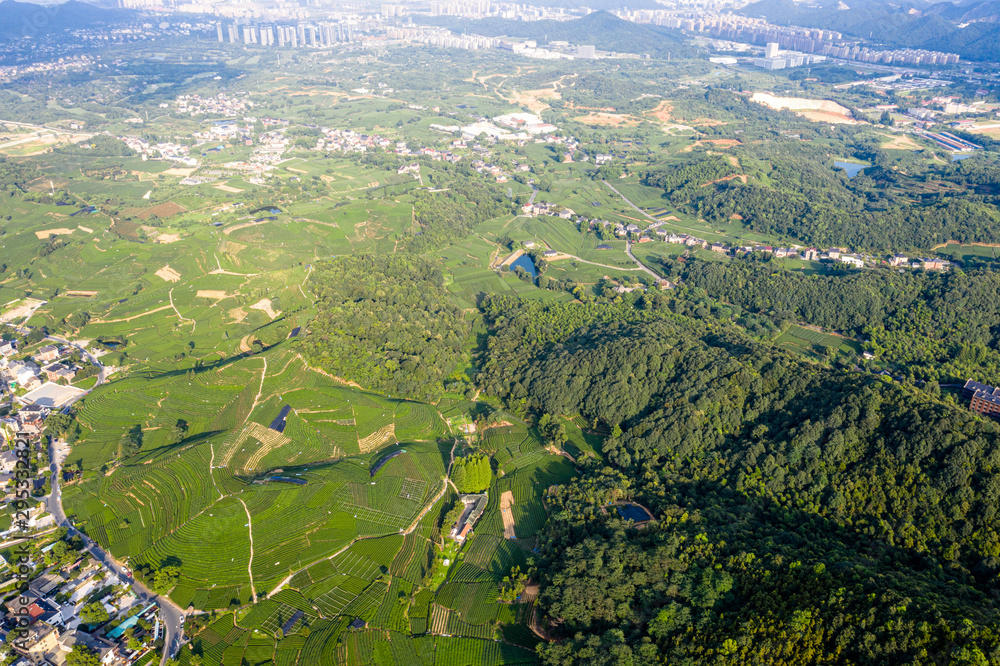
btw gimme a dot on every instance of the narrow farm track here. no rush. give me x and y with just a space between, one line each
306 279
259 391
179 315
253 590
143 314
423 512
211 466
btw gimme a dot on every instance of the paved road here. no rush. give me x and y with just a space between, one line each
171 616
673 223
642 266
625 199
101 373
534 193
57 130
628 246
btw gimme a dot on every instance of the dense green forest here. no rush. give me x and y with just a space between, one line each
941 327
794 190
463 200
471 474
387 323
803 514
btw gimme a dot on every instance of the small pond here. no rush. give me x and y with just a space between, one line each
852 168
525 262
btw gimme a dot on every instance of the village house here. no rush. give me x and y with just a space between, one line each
22 372
57 371
984 399
40 643
47 353
8 462
475 505
7 348
106 651
32 416
934 264
899 260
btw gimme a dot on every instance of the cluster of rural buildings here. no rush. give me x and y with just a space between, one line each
517 127
43 624
165 150
47 364
432 153
656 232
222 104
51 68
834 254
28 420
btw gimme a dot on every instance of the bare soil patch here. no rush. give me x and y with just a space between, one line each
46 184
214 294
609 119
237 227
662 112
264 305
48 233
231 247
163 210
235 190
506 502
168 274
722 143
377 438
722 180
824 117
902 142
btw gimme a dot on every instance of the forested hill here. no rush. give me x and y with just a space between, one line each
386 322
793 189
887 24
941 327
605 31
804 515
21 19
